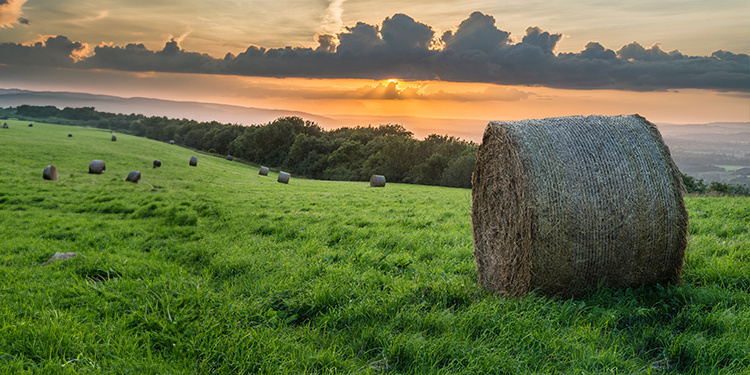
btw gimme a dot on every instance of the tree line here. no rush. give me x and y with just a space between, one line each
697 186
293 144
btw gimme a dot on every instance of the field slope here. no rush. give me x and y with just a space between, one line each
215 269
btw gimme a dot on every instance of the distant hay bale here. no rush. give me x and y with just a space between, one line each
114 138
561 205
230 157
193 161
50 173
157 163
377 180
263 171
97 167
171 142
284 177
134 176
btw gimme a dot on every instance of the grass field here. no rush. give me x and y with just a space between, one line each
215 269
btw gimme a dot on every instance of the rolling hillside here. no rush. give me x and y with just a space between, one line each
216 269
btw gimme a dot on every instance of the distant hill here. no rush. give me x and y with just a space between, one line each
153 107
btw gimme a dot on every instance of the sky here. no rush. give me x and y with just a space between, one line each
442 67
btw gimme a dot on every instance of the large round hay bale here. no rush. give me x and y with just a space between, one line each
230 157
133 176
284 177
157 163
97 167
377 180
193 161
263 171
50 173
114 138
561 205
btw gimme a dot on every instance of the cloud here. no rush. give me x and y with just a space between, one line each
10 13
49 50
332 21
476 50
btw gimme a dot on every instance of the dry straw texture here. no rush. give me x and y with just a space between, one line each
561 205
193 161
377 180
50 173
97 167
133 176
284 177
263 171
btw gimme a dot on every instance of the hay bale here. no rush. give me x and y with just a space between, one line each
377 180
563 204
97 167
263 171
284 177
193 161
171 142
133 176
230 157
50 173
157 163
114 138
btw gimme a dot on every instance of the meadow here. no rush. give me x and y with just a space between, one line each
216 269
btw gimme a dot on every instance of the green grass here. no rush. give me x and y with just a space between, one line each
215 269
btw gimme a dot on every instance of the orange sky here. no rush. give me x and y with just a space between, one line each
45 46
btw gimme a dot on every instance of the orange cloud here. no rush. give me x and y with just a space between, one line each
10 13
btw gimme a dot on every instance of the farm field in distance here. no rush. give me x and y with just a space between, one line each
216 269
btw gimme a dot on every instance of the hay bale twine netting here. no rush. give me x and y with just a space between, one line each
50 173
283 177
97 167
133 176
377 180
563 204
193 161
157 163
263 171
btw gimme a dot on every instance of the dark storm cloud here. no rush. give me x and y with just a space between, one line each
136 57
56 51
401 47
23 21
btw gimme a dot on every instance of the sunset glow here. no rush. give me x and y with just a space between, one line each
433 67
